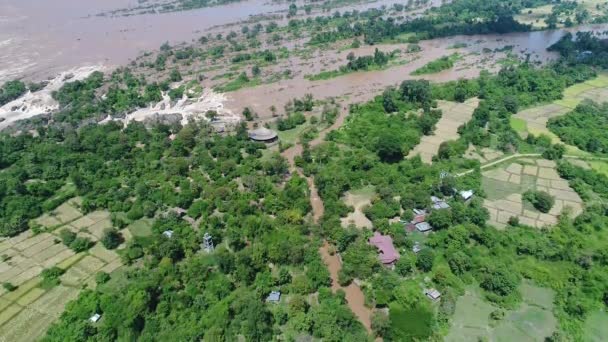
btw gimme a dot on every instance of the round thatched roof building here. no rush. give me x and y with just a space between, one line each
263 134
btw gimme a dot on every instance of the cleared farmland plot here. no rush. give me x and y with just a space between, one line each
505 185
534 120
27 312
453 116
533 320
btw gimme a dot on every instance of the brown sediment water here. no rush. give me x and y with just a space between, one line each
362 86
39 39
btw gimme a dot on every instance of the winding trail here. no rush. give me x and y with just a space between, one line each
353 294
525 155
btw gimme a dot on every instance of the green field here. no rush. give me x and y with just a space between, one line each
532 321
533 120
410 324
599 166
596 327
141 228
519 125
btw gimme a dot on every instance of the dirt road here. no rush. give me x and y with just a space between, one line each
354 296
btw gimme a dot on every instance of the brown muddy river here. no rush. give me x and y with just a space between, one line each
42 38
362 86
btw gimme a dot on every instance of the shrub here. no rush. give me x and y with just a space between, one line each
111 238
425 260
67 236
541 200
50 277
9 286
102 277
81 244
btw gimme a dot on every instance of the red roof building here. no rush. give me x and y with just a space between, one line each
387 252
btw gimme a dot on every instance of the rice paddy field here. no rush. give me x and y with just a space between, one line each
29 310
534 120
453 116
533 320
505 184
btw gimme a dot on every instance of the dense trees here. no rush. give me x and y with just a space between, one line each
244 202
11 90
584 127
541 200
454 18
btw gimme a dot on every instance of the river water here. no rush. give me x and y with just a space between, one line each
40 38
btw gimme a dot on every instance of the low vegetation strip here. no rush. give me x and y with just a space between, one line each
378 61
438 65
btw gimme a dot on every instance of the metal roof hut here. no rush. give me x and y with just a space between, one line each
432 294
388 254
263 134
274 297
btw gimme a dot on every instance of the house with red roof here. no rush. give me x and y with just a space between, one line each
386 250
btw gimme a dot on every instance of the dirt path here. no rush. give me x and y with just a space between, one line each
526 155
354 296
296 150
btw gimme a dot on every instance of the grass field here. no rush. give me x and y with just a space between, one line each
141 227
533 320
599 166
28 311
519 125
412 324
596 326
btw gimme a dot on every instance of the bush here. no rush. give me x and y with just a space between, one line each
425 260
11 90
102 277
67 236
81 244
50 277
501 281
111 238
541 200
9 286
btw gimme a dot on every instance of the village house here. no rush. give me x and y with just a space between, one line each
439 203
274 297
416 248
466 194
96 317
388 255
432 294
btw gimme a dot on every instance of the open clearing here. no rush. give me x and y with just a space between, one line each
532 321
596 326
506 184
27 312
534 120
536 16
454 114
358 199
